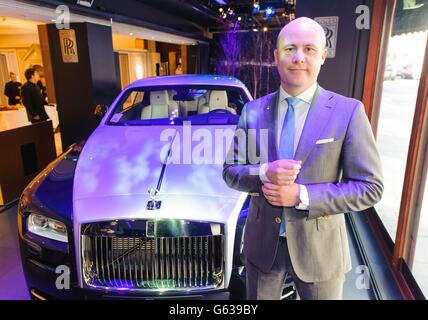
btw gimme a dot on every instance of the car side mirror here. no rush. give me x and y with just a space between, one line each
100 110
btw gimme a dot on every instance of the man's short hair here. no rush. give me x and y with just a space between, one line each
11 74
29 73
38 68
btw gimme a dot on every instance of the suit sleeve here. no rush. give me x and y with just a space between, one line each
361 185
238 173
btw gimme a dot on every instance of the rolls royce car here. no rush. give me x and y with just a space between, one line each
140 209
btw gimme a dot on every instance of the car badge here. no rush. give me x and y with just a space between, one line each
153 204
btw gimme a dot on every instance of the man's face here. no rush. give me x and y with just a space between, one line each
299 55
13 77
36 77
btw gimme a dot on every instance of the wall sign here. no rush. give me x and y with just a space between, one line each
67 38
330 25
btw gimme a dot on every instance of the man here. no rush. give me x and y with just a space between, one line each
32 97
320 161
12 90
42 82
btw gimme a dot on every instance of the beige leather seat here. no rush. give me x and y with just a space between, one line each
217 100
202 102
173 105
158 107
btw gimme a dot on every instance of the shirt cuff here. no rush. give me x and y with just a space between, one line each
304 198
262 172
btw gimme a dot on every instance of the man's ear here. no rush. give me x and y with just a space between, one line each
275 54
324 55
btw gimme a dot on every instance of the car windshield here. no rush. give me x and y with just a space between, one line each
171 105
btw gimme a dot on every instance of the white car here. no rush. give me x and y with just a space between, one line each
140 209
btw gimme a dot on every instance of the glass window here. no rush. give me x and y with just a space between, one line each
400 86
171 105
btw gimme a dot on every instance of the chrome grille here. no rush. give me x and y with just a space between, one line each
190 262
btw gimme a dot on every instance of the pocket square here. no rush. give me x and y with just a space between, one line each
321 141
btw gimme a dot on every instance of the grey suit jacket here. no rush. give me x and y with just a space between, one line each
341 176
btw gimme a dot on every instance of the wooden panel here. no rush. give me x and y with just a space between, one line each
47 64
172 59
184 58
12 170
381 24
124 69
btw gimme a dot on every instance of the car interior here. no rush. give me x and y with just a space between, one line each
181 103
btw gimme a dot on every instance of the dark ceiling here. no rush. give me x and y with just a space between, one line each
194 18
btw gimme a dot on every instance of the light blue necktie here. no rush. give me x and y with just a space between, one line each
286 142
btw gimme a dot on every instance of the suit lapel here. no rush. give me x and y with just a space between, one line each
270 117
317 118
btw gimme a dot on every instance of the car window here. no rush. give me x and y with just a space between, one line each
173 105
133 99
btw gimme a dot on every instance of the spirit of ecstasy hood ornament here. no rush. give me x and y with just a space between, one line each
153 204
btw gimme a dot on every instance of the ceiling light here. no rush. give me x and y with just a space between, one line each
269 12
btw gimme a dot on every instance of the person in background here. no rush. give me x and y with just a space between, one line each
179 70
32 97
12 90
42 82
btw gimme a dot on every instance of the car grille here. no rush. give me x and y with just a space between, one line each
158 263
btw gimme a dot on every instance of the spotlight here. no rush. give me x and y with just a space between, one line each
269 12
256 7
221 9
239 18
265 29
255 29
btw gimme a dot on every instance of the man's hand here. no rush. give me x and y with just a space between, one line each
36 118
283 172
282 196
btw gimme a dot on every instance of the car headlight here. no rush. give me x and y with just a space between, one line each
47 227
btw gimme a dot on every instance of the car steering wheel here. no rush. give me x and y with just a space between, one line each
220 111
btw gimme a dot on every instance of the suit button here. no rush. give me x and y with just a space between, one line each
278 220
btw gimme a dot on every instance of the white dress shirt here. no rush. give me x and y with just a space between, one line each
301 110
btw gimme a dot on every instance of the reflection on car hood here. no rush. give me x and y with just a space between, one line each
118 166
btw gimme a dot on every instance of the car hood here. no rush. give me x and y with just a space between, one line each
119 164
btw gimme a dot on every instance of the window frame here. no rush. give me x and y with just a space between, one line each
399 254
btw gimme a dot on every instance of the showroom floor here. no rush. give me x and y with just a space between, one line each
12 282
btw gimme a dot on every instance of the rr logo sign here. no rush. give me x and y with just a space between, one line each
68 46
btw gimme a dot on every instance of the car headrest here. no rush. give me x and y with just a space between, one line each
159 97
218 99
171 94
